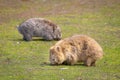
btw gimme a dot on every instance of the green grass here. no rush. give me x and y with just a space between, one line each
20 60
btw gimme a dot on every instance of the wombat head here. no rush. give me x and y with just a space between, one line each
57 33
56 55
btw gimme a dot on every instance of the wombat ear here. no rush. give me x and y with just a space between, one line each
54 28
51 49
58 48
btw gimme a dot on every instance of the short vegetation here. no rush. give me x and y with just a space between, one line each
21 60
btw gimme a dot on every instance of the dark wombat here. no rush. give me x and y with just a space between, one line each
39 27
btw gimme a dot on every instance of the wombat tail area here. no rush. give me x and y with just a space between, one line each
19 29
17 26
100 55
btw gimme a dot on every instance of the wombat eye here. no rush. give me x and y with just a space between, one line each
53 59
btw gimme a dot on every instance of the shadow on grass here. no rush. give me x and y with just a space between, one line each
21 40
48 64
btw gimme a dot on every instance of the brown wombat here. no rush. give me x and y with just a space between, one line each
78 48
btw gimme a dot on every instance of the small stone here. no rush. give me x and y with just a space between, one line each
18 42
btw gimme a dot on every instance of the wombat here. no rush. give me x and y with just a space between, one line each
39 27
78 48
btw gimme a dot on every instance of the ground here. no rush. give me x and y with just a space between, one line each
21 60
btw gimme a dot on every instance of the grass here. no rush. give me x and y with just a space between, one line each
20 60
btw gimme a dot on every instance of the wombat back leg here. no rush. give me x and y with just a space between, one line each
93 63
88 62
27 37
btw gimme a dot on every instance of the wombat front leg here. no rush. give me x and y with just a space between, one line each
71 62
48 37
27 37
